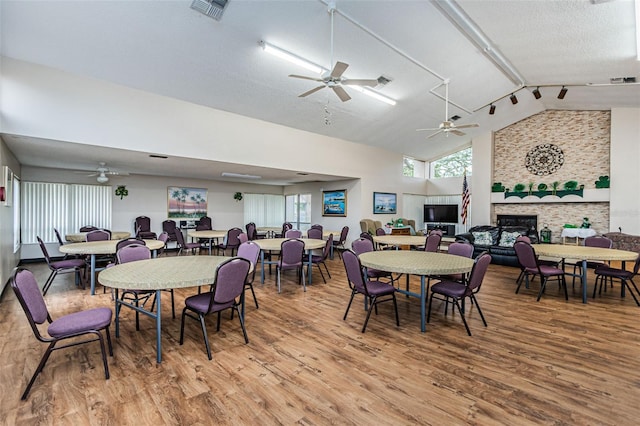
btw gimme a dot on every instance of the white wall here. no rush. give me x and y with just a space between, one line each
8 259
624 202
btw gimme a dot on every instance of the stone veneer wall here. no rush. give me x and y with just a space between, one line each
584 137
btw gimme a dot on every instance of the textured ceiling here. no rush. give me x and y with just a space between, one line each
165 47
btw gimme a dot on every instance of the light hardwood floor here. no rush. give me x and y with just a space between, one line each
551 362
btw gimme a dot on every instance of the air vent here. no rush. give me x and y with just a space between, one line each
455 118
382 80
211 8
622 80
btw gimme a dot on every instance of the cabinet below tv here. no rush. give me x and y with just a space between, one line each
449 230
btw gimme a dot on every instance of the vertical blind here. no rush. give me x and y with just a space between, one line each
264 209
67 208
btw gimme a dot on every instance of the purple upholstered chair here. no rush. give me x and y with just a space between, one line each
60 241
164 237
314 233
433 242
457 249
65 266
87 228
169 226
293 233
143 228
82 323
243 238
291 253
317 226
594 241
605 272
339 244
225 293
365 245
182 245
231 242
250 251
204 224
532 267
320 259
375 291
252 231
98 235
459 291
285 227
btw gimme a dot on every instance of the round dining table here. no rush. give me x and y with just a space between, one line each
584 254
420 263
105 247
163 273
273 244
79 237
208 234
400 240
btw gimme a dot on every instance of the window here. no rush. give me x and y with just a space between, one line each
412 167
298 211
16 214
452 165
64 207
264 209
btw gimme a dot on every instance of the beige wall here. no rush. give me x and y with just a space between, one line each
8 259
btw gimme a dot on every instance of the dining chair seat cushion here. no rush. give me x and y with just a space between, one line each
614 272
67 264
200 303
450 288
375 273
546 270
377 288
79 322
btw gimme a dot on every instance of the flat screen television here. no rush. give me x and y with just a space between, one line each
441 213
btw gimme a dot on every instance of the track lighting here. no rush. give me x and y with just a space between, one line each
513 98
492 109
536 93
562 93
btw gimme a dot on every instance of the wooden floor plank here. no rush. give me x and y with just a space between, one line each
547 362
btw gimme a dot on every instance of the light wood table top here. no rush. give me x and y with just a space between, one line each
400 240
583 252
273 244
269 228
211 233
163 273
416 262
102 247
79 237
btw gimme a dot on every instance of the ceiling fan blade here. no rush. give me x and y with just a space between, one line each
338 69
457 132
342 94
434 134
360 82
311 91
305 77
466 126
422 130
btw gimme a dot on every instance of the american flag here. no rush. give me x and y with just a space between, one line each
465 199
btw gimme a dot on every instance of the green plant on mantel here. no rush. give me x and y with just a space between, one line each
603 182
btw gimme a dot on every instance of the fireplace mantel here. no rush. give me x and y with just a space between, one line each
589 196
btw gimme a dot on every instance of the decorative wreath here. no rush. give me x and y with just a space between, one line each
544 159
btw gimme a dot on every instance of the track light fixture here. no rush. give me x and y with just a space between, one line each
536 93
562 93
492 109
513 98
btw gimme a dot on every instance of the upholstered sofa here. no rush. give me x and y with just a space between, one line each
498 241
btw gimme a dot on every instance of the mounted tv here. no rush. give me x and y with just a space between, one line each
441 213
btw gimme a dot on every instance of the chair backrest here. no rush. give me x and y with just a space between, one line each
178 236
380 232
343 234
26 289
243 238
317 226
204 224
98 235
523 238
478 272
164 237
231 276
88 228
355 273
327 247
232 237
58 237
433 242
526 254
291 252
461 249
43 248
133 252
436 232
128 242
293 233
252 231
169 226
143 224
250 251
362 245
598 241
314 233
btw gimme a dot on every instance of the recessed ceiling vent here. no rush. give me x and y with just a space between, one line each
455 118
622 80
383 81
211 8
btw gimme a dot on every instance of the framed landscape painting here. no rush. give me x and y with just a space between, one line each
334 203
186 203
384 203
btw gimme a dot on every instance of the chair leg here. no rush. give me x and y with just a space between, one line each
48 283
43 361
464 321
473 297
106 330
626 282
564 284
204 334
395 307
321 273
353 293
429 310
543 284
371 307
255 299
278 279
184 313
104 355
326 269
244 330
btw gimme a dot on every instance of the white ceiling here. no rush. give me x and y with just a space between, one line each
166 47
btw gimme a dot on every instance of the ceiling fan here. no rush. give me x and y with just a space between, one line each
333 79
448 126
102 173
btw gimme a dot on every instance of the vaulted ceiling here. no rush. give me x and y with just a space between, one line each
168 48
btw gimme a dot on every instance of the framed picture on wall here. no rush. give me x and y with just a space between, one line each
385 203
334 203
7 179
186 203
